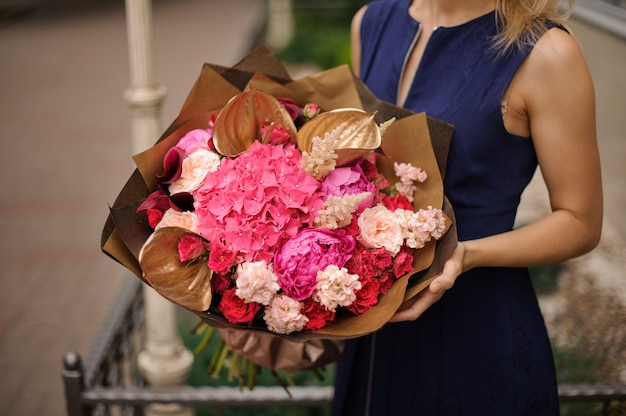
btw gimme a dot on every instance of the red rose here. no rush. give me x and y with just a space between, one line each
318 315
236 310
366 297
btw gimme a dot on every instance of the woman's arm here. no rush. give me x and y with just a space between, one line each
552 100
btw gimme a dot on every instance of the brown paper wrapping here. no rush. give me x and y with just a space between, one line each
413 138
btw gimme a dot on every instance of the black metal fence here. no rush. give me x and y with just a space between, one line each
108 382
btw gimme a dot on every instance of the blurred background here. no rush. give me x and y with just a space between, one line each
67 142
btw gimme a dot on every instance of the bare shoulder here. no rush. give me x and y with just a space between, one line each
556 49
554 72
556 61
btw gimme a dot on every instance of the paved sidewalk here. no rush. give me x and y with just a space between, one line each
66 146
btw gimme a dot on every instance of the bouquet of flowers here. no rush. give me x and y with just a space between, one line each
305 210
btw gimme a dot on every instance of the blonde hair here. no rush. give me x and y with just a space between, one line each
522 22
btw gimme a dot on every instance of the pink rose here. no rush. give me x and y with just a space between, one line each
221 259
190 246
300 258
274 135
380 228
311 110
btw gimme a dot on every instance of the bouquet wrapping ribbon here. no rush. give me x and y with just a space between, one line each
413 138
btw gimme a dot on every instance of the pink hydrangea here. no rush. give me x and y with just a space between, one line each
254 200
300 258
284 315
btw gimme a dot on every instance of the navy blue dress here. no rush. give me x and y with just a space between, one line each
483 348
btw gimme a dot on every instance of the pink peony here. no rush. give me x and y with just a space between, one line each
283 315
194 140
349 180
256 282
300 258
380 228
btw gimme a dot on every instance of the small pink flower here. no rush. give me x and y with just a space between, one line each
311 110
283 315
256 282
274 135
409 173
336 287
221 259
379 228
190 246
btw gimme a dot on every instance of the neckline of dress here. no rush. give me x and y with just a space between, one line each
460 25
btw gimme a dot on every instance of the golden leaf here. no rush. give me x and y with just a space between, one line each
360 135
187 285
240 122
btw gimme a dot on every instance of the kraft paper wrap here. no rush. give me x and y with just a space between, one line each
413 138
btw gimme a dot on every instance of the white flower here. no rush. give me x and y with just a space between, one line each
283 315
256 282
336 287
186 219
195 168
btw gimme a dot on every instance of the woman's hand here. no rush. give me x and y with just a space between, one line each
414 308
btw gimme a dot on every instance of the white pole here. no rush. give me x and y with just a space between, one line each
279 23
164 362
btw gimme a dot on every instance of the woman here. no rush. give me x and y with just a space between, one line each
513 82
